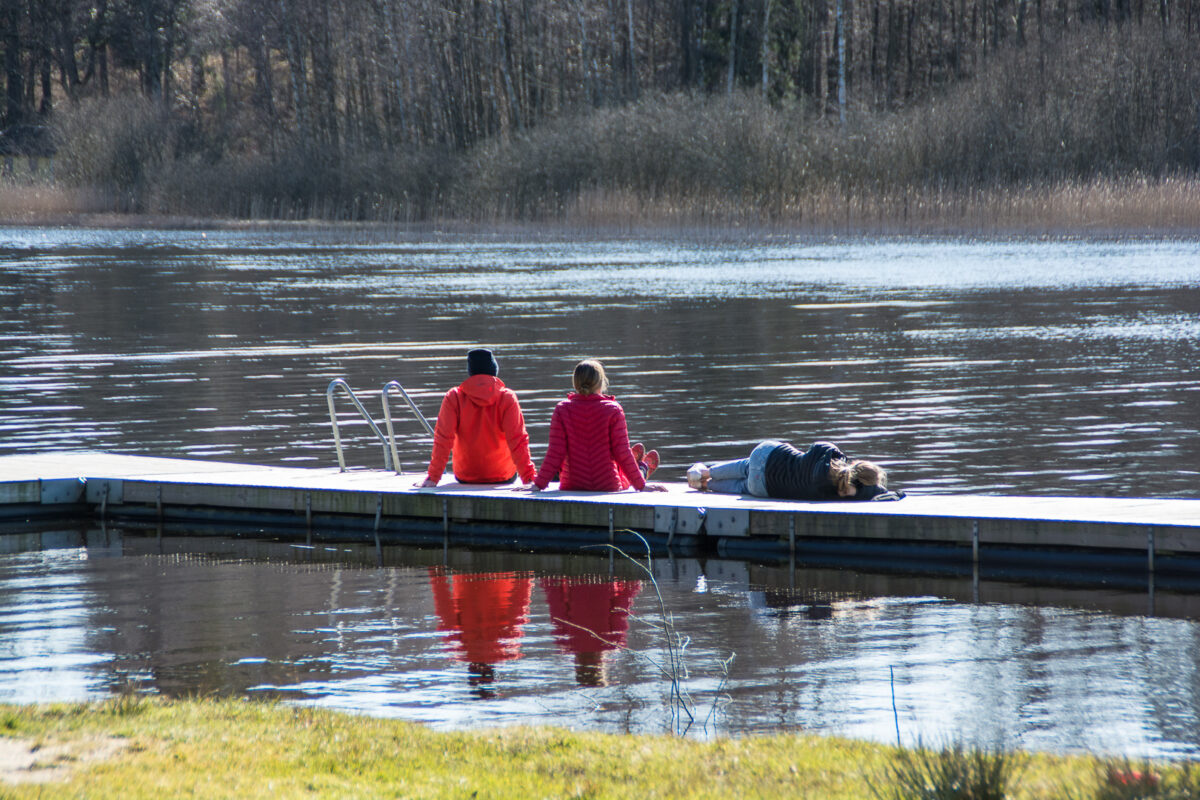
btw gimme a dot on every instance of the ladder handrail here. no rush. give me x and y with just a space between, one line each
387 416
337 439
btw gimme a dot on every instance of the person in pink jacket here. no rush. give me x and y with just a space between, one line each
589 442
591 617
481 427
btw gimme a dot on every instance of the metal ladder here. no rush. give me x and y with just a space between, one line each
384 393
390 458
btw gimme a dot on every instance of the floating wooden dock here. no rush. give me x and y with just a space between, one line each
926 532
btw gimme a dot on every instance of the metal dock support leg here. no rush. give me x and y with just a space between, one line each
612 542
159 506
1150 604
378 519
308 518
975 560
792 551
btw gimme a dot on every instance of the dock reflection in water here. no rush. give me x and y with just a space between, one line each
461 639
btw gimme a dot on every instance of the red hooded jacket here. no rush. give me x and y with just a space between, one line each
589 446
481 424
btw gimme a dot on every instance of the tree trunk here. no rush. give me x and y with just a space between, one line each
102 59
505 59
587 63
634 89
14 85
841 57
733 32
264 84
909 80
168 54
874 52
199 82
613 50
396 93
97 56
687 44
765 50
297 69
893 54
69 65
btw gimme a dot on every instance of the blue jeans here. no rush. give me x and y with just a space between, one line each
744 476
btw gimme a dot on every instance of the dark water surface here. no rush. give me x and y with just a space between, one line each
1014 366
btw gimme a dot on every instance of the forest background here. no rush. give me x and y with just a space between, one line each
864 114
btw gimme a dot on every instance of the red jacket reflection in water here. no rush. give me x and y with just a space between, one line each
484 613
591 616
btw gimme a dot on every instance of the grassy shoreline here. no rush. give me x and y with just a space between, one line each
131 747
1101 208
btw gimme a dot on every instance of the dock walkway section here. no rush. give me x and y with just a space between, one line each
950 530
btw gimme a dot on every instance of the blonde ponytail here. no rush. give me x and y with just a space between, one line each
844 473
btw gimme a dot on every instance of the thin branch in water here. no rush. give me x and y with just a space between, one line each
675 668
895 713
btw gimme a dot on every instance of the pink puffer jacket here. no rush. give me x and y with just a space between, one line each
589 446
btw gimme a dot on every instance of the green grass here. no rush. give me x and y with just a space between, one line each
131 748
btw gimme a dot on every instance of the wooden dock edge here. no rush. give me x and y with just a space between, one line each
1149 533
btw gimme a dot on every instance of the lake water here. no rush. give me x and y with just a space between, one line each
463 639
1041 367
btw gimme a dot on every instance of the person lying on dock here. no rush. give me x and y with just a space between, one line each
776 469
481 429
589 441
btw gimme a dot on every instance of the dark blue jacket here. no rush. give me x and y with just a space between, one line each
792 475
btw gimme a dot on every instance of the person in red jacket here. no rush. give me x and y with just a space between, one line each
483 615
481 428
589 442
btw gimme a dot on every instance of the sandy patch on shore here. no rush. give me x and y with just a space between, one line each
30 761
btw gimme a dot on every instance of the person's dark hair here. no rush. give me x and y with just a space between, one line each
589 377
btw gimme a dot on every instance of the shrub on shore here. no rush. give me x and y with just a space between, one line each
953 772
120 147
